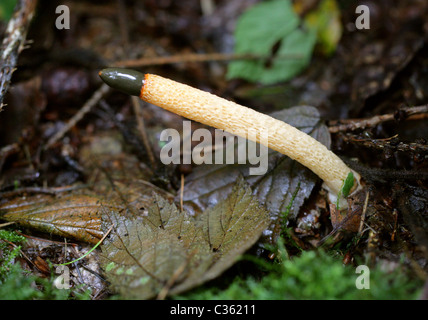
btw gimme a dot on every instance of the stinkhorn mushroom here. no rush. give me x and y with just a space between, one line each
231 117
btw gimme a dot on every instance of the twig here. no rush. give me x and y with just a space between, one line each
142 130
2 225
181 192
353 124
21 252
14 42
39 190
388 143
194 57
79 115
363 216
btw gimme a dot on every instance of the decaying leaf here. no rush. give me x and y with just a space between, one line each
208 184
174 251
72 216
116 182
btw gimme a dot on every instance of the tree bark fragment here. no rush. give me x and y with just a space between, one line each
14 42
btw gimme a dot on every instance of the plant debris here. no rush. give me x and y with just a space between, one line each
168 251
77 158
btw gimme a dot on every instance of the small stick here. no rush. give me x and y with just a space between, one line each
2 225
142 130
387 143
87 107
181 192
14 42
194 57
363 216
353 124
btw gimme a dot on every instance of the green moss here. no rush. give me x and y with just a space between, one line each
17 284
11 236
20 285
315 275
9 250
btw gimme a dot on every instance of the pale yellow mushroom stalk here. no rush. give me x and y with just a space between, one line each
223 114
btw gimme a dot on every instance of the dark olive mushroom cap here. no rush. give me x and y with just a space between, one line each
125 80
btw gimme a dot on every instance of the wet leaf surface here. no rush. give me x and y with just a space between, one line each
74 216
171 251
116 182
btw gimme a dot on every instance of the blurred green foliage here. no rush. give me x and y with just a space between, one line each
262 28
6 9
325 20
9 250
273 29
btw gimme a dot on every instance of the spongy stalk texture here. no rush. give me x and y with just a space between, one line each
223 114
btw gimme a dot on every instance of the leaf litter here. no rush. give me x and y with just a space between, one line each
392 56
153 248
115 183
172 251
